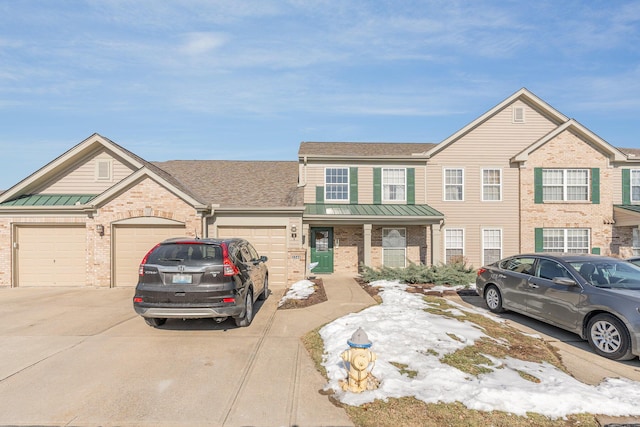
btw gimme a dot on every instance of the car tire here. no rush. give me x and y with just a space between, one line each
493 298
608 337
265 292
155 321
247 316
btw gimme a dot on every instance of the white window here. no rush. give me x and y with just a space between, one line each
336 184
491 185
518 114
565 184
491 245
453 184
635 245
103 169
635 185
454 245
573 240
394 185
394 247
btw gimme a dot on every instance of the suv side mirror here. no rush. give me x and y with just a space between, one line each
263 258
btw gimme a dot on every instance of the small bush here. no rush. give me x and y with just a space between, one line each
454 274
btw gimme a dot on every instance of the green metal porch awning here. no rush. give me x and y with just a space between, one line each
50 200
371 210
632 208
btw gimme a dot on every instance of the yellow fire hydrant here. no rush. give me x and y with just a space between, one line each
359 357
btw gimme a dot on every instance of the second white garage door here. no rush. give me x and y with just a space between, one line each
269 241
131 244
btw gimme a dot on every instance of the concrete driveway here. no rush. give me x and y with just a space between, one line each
83 357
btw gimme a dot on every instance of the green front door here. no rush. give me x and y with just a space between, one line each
322 249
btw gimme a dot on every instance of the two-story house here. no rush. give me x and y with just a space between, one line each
522 177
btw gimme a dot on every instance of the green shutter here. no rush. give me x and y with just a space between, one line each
377 186
626 187
595 251
539 247
411 186
595 186
319 194
353 186
537 183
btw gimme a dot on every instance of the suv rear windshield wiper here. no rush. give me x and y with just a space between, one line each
171 259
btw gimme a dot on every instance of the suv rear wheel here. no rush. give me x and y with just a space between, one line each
247 317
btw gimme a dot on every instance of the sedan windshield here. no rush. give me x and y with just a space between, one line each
609 274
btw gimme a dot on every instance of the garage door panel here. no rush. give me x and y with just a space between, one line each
51 255
131 244
269 241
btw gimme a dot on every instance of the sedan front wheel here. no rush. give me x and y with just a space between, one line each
493 298
609 337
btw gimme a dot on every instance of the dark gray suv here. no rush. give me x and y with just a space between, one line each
197 278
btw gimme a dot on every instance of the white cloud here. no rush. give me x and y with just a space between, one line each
201 43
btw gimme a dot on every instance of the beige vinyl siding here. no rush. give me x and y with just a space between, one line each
81 177
489 145
315 178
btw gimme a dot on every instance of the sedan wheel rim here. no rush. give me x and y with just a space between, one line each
492 299
606 337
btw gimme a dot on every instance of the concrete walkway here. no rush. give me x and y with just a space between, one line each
291 373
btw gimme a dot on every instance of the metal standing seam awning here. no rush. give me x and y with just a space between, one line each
50 200
370 213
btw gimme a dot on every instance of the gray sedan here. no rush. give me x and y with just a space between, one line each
593 296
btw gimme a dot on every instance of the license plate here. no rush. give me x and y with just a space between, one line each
181 279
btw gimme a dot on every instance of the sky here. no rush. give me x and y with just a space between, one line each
401 331
250 80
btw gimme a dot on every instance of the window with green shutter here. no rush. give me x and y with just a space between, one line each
411 186
595 186
537 182
626 186
377 186
353 185
319 194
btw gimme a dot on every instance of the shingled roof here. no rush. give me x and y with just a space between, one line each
251 184
362 149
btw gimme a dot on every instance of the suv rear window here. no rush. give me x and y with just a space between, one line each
188 254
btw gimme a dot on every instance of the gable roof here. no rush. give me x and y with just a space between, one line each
362 149
523 95
257 184
143 169
572 126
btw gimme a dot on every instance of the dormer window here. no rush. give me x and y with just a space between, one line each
103 169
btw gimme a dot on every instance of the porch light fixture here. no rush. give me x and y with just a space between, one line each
100 229
294 231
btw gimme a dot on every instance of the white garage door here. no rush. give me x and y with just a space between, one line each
269 241
51 255
131 244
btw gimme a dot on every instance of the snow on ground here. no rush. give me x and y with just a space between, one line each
299 290
402 332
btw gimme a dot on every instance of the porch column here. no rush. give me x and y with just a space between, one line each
367 244
436 252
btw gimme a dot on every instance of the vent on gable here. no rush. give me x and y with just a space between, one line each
518 114
103 170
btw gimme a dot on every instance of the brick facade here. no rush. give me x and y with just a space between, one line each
567 151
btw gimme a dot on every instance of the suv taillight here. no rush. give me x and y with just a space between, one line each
144 260
228 267
481 270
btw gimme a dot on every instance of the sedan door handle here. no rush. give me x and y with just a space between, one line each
533 286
